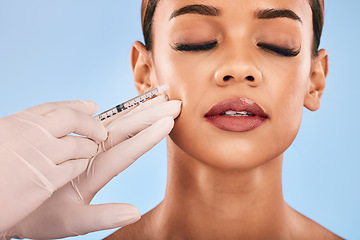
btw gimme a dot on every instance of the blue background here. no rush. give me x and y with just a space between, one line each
65 50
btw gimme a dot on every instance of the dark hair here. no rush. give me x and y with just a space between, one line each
147 18
317 8
148 9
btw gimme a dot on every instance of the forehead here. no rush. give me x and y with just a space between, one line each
241 8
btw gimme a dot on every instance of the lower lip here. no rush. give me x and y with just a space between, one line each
236 124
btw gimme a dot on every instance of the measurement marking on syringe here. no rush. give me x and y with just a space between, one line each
132 102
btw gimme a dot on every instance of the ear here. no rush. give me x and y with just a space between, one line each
141 65
318 74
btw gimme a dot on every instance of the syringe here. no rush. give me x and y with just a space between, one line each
132 102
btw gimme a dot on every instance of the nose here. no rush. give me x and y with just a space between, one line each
238 69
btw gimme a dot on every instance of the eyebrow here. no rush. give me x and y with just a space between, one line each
277 13
197 9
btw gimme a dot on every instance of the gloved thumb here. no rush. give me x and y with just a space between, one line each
104 216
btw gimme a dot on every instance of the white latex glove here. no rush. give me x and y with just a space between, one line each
37 156
67 212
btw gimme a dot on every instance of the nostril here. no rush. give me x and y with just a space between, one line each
227 77
250 78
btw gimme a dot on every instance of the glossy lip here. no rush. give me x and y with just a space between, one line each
236 123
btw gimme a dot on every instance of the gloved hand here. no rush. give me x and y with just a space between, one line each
37 156
67 212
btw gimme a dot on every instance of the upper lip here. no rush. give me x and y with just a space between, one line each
238 105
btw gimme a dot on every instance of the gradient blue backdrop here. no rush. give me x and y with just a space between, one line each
79 49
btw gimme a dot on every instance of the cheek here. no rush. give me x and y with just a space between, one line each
294 89
187 79
287 92
189 82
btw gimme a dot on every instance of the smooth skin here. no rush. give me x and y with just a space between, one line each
222 184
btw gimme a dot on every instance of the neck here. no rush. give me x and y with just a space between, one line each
216 201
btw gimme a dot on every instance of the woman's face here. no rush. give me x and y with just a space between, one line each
252 60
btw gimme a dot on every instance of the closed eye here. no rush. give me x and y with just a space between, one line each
195 47
279 50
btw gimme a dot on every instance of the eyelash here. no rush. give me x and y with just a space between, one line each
195 47
208 46
279 50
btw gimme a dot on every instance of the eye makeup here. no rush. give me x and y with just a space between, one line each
211 45
274 39
194 47
279 50
279 37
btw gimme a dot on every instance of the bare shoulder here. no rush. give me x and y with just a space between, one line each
309 229
302 228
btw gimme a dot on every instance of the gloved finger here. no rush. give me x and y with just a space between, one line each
70 148
147 104
64 121
124 154
86 107
131 124
93 218
77 220
110 163
67 171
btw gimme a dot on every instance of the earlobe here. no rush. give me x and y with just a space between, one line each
317 79
141 66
